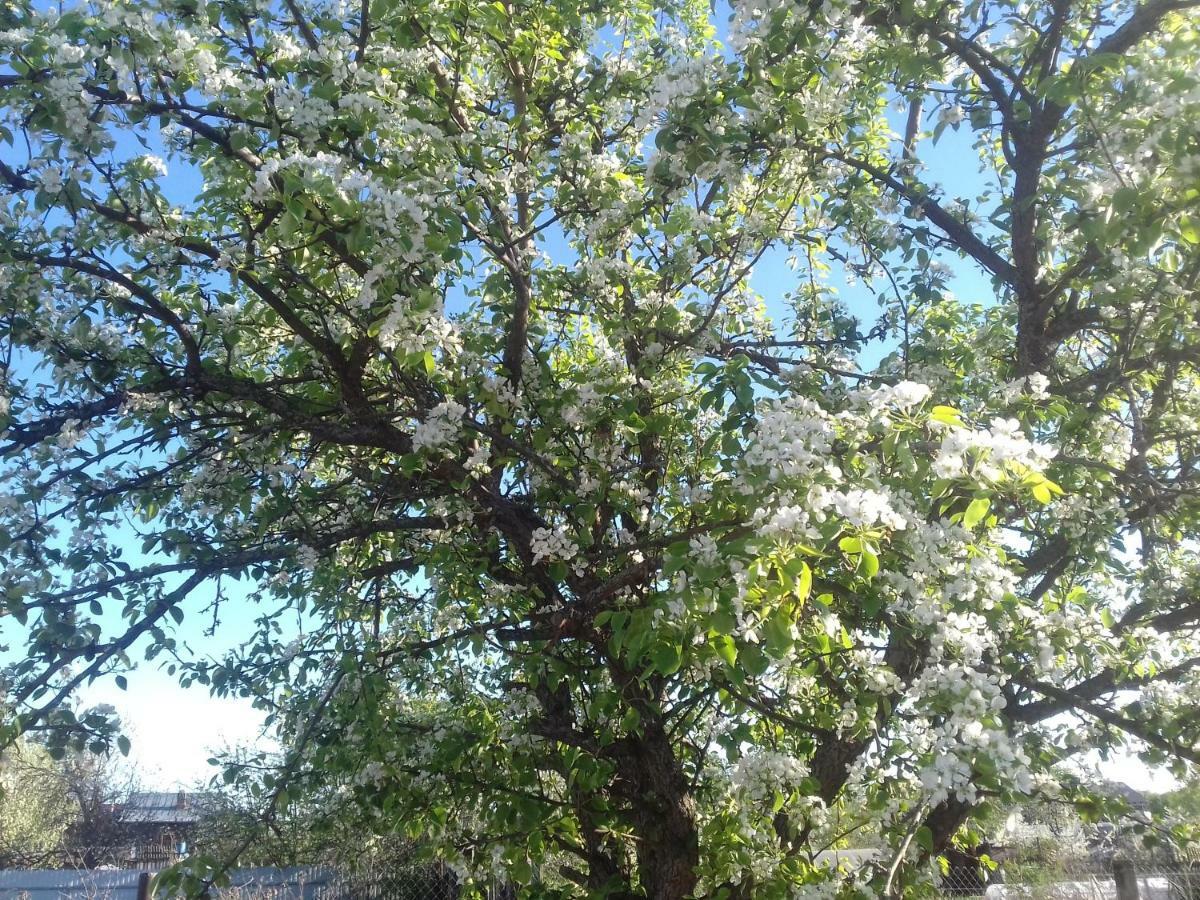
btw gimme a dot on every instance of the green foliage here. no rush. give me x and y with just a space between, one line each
570 547
36 808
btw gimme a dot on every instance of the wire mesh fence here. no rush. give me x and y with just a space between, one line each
428 882
1086 878
423 882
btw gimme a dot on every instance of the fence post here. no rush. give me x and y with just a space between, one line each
1125 875
143 892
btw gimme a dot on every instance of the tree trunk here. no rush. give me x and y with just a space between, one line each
665 818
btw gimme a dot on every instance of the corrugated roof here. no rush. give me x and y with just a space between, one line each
48 884
155 816
156 798
165 807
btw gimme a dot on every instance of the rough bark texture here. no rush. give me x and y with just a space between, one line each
669 846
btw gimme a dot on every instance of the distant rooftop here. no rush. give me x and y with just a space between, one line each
162 808
1130 795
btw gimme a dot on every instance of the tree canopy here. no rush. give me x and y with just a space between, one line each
35 807
556 533
59 809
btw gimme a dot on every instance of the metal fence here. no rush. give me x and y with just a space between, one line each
426 882
408 883
1088 878
139 856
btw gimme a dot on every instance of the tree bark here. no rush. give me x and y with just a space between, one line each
668 846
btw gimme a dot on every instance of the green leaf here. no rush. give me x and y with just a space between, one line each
868 563
1189 229
722 621
667 658
889 444
520 870
778 633
804 582
1125 198
731 444
925 838
123 745
946 414
726 648
975 512
753 660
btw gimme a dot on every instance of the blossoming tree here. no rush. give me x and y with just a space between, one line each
569 548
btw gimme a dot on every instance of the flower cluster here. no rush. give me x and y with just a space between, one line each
903 396
864 508
991 453
760 775
441 426
552 544
792 439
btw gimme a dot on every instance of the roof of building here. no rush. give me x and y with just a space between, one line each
1130 795
162 808
53 884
